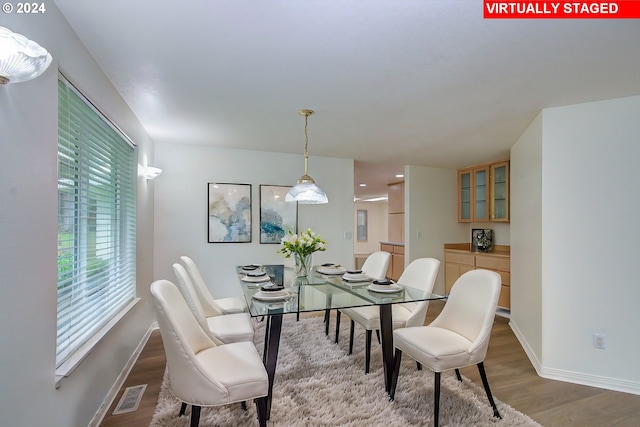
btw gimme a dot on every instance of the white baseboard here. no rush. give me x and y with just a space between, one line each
113 392
533 358
614 384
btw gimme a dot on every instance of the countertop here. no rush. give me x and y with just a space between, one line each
393 243
496 250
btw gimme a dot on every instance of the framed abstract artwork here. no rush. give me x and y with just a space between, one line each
277 217
229 213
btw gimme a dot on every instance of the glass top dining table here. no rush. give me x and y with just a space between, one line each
319 292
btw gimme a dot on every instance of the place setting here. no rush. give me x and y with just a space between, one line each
355 276
384 287
254 273
331 269
272 292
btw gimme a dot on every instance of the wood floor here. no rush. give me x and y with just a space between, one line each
511 376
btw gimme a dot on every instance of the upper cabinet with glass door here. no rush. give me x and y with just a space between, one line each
483 193
500 191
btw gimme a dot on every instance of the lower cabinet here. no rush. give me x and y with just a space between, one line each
458 260
396 266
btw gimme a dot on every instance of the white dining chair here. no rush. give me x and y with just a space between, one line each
203 372
209 303
375 267
420 274
226 328
459 335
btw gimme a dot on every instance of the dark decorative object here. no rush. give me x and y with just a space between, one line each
481 240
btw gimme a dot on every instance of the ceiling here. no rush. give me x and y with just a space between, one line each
393 82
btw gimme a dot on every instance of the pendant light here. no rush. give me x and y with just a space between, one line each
20 58
306 191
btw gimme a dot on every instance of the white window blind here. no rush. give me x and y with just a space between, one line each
96 221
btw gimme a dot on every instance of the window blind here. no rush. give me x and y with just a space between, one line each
96 221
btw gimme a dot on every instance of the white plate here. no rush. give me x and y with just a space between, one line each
256 273
331 271
356 277
385 289
256 279
271 296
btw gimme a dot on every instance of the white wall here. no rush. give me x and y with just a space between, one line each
431 209
181 208
28 239
589 244
526 240
590 209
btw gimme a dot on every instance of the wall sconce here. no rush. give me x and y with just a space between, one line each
306 191
149 172
20 58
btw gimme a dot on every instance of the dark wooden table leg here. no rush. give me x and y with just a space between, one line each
386 332
265 350
275 327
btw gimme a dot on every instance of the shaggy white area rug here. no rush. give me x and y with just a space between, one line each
318 384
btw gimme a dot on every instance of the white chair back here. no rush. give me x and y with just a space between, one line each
421 273
377 264
470 309
183 338
193 302
209 305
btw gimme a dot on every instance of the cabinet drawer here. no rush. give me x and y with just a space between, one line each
506 277
457 258
504 300
386 248
398 250
494 263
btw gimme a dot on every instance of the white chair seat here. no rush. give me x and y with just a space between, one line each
369 316
210 305
232 305
457 337
420 274
202 371
223 328
243 375
230 328
438 348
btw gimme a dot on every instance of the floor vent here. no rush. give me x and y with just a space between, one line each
130 399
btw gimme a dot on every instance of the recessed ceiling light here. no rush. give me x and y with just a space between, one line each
399 175
363 185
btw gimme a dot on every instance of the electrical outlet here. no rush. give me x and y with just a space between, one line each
599 341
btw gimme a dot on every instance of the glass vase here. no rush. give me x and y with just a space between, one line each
303 264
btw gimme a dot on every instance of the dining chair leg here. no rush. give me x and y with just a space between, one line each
458 375
352 328
195 416
436 399
367 352
183 409
418 366
338 314
261 407
485 382
243 405
396 371
378 335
